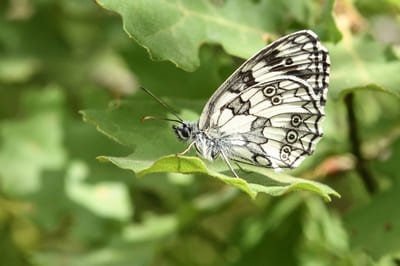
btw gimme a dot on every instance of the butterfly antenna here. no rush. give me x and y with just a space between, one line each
164 105
150 117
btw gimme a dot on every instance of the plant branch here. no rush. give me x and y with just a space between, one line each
361 163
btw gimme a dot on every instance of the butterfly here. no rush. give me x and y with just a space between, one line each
268 113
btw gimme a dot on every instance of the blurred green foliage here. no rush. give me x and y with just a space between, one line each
61 206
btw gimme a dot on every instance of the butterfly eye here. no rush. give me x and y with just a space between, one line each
186 132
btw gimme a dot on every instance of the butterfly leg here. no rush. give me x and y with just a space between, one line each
229 164
244 170
186 150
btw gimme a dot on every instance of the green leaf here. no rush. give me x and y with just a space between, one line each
152 140
34 143
174 30
322 226
106 199
360 63
14 69
326 26
268 182
374 227
258 235
370 87
178 164
138 244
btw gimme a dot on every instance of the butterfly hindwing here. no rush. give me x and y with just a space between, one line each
271 124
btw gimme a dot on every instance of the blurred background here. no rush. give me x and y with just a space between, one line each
61 206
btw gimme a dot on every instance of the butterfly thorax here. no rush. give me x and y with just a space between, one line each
206 145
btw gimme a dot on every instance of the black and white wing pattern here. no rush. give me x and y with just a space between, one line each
272 124
299 54
269 111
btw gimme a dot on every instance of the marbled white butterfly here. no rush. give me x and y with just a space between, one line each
269 111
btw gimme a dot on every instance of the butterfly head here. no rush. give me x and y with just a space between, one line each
185 131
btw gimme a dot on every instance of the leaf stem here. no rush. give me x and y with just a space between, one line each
361 163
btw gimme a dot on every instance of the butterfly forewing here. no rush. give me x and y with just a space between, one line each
299 54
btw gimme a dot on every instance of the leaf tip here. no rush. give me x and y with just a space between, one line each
103 159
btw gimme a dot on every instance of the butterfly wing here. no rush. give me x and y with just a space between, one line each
272 124
299 54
